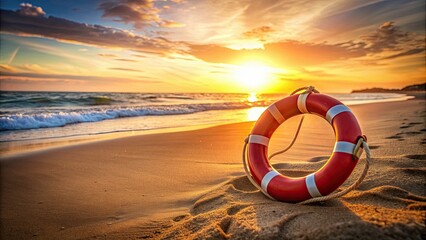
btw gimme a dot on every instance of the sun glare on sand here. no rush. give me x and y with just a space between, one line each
253 75
254 113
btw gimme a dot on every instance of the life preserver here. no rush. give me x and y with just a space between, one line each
322 182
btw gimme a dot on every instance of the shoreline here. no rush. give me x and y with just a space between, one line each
23 147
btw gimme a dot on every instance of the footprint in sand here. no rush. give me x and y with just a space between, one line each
225 224
374 147
319 158
236 208
180 217
243 184
413 133
419 172
411 124
414 123
416 156
396 136
386 196
409 133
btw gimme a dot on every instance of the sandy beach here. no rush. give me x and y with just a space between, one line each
191 185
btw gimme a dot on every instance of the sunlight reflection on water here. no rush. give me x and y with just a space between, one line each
252 98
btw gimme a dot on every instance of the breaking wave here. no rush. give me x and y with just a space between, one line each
20 121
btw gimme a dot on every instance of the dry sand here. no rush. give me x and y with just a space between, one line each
191 185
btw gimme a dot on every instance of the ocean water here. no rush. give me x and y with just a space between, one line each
43 115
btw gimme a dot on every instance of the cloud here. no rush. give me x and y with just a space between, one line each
346 16
107 55
387 36
224 21
16 81
34 68
286 53
12 56
28 43
271 11
139 13
7 68
317 73
387 39
139 55
171 24
43 76
30 10
406 53
46 76
125 69
259 33
75 32
125 60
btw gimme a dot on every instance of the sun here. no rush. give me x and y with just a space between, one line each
253 75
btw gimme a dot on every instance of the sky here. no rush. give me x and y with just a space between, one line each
263 46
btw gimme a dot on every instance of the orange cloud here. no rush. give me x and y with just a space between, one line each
107 55
406 53
288 53
259 33
7 68
171 24
386 40
125 60
125 69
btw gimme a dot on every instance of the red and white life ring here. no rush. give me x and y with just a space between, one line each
322 182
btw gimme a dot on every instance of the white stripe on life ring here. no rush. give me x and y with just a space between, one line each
334 111
344 147
312 186
259 139
267 178
276 113
301 103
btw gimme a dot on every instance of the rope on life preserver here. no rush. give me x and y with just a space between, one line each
351 187
357 152
307 90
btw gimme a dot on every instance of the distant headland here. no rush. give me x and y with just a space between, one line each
411 88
